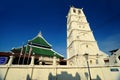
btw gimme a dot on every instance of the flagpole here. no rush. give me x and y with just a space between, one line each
30 50
24 55
20 54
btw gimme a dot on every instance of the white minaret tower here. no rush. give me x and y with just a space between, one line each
80 39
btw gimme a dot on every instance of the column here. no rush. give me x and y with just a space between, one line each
10 60
32 60
54 60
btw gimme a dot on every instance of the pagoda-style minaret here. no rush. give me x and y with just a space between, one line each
80 39
41 49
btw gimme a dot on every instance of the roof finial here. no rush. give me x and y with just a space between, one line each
72 6
40 33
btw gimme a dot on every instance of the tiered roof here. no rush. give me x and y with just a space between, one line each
39 47
39 41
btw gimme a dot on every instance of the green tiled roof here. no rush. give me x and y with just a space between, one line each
39 40
39 51
18 50
39 47
45 52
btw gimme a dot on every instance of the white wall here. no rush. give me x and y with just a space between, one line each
27 72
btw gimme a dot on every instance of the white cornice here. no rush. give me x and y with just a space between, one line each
80 41
78 30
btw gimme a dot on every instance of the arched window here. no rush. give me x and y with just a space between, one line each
119 57
97 61
86 46
90 61
79 11
77 37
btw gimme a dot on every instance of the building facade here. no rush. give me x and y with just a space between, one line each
115 57
38 47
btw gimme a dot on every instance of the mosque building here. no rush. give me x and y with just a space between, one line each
39 48
36 60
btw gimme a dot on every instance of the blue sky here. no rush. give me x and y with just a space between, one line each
21 20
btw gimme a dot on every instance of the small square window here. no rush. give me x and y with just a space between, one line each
77 37
86 46
74 10
79 11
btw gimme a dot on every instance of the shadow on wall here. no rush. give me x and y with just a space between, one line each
118 78
64 76
28 77
98 77
1 77
87 77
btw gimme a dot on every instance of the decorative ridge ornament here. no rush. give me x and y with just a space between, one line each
40 34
